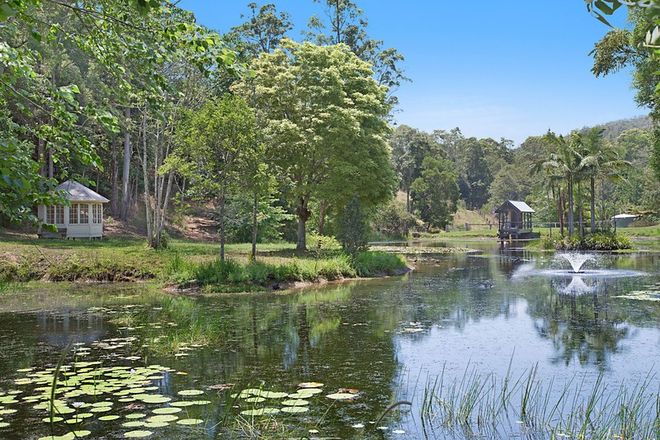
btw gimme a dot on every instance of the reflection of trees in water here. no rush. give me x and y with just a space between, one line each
465 292
581 327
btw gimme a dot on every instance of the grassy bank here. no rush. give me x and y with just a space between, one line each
185 262
232 275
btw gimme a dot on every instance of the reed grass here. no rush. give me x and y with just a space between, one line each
484 405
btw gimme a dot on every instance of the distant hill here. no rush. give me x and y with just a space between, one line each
615 128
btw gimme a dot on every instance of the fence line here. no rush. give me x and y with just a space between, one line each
600 224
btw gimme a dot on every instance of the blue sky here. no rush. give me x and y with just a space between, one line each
493 69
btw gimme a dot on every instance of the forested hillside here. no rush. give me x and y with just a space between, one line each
612 130
168 118
610 165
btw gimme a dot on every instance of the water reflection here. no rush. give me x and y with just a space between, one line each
373 336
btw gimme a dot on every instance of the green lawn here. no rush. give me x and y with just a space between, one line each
23 258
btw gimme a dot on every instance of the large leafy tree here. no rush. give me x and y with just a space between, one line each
409 148
346 23
220 144
638 48
262 32
476 177
435 192
322 113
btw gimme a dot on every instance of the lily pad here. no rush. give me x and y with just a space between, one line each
162 418
310 385
155 398
295 409
108 418
295 402
182 403
137 434
168 410
273 395
189 422
135 416
190 392
255 399
200 402
156 424
341 396
260 412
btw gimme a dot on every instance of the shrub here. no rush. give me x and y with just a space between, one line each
368 264
322 242
600 241
74 269
180 270
607 241
353 229
393 221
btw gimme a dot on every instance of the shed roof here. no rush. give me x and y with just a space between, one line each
520 206
625 216
77 192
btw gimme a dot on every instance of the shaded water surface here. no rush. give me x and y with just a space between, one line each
374 342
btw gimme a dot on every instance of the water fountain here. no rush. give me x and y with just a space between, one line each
557 269
576 260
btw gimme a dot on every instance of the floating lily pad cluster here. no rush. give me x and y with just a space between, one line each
89 393
276 402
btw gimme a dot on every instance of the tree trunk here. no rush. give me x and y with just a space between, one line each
145 176
580 210
571 224
408 200
41 159
255 226
221 202
126 172
303 216
560 210
51 164
322 210
114 202
593 205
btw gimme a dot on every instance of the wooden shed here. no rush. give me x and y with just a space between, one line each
514 220
81 218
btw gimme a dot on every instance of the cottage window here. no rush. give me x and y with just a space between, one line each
84 214
55 215
97 213
73 214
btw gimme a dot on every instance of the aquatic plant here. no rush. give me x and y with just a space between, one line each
484 405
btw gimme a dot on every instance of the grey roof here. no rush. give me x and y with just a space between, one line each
77 192
520 206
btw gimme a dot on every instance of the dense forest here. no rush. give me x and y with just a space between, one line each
611 165
274 138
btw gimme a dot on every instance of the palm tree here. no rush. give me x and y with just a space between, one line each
598 159
564 163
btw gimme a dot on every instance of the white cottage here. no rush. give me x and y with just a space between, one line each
83 218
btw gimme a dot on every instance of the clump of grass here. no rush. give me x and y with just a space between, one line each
369 264
232 276
484 404
23 269
599 241
76 269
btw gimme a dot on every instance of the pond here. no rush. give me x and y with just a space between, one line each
452 342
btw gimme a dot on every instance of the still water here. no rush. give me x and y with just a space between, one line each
374 343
